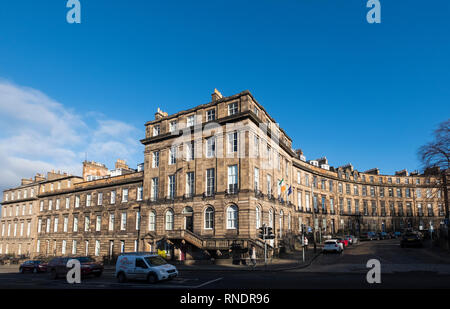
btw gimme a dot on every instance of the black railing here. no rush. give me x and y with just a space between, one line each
207 195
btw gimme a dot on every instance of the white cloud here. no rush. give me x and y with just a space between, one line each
38 134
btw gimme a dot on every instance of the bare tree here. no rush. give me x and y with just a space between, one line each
437 152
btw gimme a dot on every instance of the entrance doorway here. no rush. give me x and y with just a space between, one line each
189 223
188 218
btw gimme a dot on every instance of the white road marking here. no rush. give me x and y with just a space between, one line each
206 283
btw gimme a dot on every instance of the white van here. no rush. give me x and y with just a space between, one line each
144 265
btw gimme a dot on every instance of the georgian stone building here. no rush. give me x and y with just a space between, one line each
212 175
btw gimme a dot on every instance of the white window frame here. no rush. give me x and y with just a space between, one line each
111 222
124 195
98 223
113 197
139 193
172 155
99 198
232 217
210 181
233 108
233 185
208 218
152 221
155 159
169 220
211 147
123 221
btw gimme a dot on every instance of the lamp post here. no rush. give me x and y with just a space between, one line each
313 216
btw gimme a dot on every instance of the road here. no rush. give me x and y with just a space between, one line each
400 268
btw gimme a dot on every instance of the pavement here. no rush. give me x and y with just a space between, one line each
289 261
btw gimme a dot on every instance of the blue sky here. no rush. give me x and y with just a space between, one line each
369 94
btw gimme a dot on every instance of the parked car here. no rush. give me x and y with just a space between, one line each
411 239
367 236
57 267
343 241
382 235
349 238
145 266
35 266
332 245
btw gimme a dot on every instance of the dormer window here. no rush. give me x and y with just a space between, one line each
190 121
156 130
256 111
173 126
211 115
232 108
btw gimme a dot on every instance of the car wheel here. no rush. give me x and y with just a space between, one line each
151 278
98 274
122 278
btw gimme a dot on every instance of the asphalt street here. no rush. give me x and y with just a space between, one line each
400 268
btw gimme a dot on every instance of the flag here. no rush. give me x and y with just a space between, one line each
281 181
283 188
289 192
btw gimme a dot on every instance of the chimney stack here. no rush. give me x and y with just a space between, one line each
160 114
216 95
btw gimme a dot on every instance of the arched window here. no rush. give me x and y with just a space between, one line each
209 218
169 220
232 217
152 221
271 218
258 217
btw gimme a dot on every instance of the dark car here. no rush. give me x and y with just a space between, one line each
382 235
368 236
34 266
57 267
411 240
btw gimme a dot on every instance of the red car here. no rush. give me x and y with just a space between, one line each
343 241
34 266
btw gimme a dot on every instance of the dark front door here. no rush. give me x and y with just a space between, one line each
189 223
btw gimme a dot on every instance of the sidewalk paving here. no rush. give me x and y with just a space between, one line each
287 262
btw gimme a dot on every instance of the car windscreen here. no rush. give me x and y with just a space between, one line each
155 260
330 242
84 259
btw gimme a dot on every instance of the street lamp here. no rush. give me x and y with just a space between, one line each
314 215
